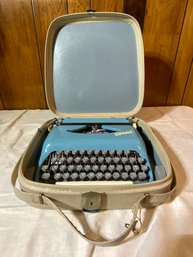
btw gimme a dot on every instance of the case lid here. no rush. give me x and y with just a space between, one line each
94 65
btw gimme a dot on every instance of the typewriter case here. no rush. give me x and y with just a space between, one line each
94 69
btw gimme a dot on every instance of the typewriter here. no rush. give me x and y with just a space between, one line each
98 150
94 83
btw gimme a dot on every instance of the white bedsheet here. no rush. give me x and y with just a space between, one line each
27 232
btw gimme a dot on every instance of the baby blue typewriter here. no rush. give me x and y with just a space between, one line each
95 85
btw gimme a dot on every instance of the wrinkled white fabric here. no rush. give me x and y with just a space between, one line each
30 232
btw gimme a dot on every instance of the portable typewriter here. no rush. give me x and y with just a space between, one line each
95 84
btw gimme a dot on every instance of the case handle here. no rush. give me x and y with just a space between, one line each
109 242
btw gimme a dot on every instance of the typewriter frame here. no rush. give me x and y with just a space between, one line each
95 196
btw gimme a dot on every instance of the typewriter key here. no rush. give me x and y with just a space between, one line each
133 176
79 168
108 159
89 152
119 152
62 159
104 152
111 168
127 168
132 160
144 168
69 160
91 175
93 160
103 168
57 176
112 152
54 168
135 168
74 152
66 176
54 159
96 152
101 159
87 168
83 176
108 175
74 176
124 160
116 159
62 168
116 175
82 152
95 168
71 168
119 168
77 160
45 168
142 175
126 152
85 159
99 175
45 176
124 175
141 160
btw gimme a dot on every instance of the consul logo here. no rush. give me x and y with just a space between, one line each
122 133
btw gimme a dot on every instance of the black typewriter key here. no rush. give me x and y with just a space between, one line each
141 160
45 176
108 175
119 152
82 175
96 152
111 152
54 168
91 175
124 160
133 176
62 168
74 176
116 175
79 168
66 176
70 160
87 168
111 168
144 168
104 152
77 160
45 168
108 160
99 175
93 160
101 159
127 168
116 159
103 168
85 159
136 168
57 176
71 168
95 168
142 176
124 175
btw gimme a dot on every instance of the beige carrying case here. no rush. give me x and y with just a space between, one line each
80 41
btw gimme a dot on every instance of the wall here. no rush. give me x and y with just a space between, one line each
167 32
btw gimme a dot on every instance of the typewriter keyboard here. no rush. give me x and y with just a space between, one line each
94 165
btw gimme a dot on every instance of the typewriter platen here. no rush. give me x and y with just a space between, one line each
96 150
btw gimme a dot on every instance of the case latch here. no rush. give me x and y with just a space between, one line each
91 202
